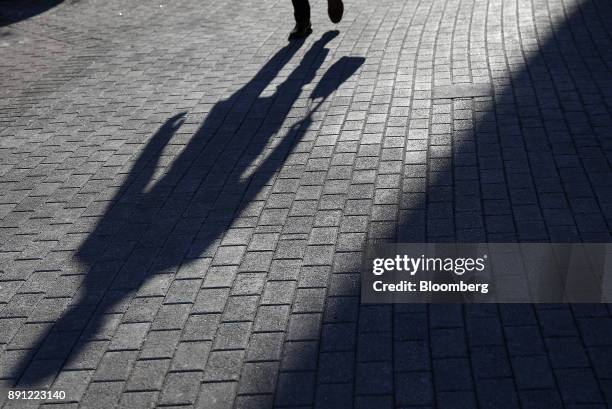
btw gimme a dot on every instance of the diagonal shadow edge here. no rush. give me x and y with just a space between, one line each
585 62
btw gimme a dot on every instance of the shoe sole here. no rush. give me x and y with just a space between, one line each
335 9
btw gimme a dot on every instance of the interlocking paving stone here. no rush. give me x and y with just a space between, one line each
185 198
462 91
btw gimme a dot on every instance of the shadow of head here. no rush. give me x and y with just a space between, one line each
336 75
165 132
13 11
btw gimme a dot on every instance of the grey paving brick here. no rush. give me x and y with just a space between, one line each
375 319
265 346
218 395
160 344
200 327
335 367
313 276
524 340
456 399
248 284
557 323
595 331
600 360
74 383
490 362
578 386
171 317
21 340
141 399
341 396
452 374
566 352
232 335
156 285
240 308
484 331
180 388
309 300
142 310
258 261
300 356
90 354
448 343
413 388
229 255
129 336
194 268
102 395
115 366
223 366
533 372
374 346
271 318
295 388
374 378
278 292
258 378
254 401
148 375
344 284
211 300
496 393
182 291
191 356
540 398
304 327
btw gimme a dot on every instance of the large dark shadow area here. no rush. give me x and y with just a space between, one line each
535 167
14 11
148 231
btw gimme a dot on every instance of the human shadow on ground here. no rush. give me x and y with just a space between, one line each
151 231
14 11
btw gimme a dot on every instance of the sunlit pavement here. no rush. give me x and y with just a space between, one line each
185 198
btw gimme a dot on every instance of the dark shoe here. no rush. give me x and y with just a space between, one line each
300 31
335 9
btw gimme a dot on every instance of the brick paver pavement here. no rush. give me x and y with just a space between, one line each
185 198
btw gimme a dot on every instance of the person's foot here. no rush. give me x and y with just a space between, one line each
335 9
301 30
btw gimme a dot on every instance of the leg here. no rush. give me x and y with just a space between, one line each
301 11
335 9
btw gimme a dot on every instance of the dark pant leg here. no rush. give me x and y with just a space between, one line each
301 11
